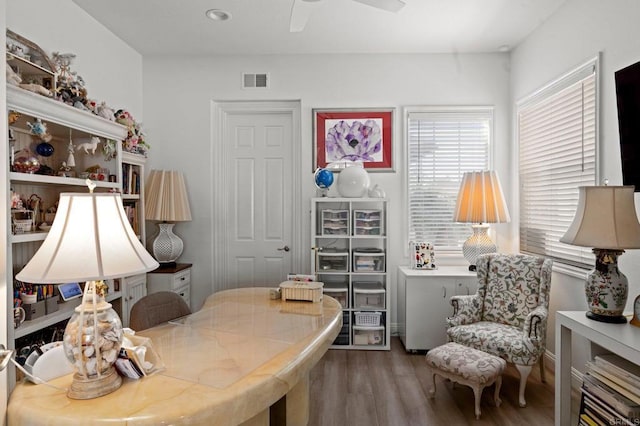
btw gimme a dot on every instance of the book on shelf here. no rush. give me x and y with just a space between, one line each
623 368
615 382
609 396
600 413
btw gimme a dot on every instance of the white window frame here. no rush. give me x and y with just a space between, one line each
452 252
547 91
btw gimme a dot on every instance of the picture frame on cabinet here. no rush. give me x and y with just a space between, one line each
353 134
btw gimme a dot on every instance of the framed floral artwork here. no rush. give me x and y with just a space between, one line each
353 135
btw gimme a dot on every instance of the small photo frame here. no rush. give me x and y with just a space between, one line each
363 134
422 255
69 291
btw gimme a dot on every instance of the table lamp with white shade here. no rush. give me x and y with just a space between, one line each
166 201
90 240
480 201
605 220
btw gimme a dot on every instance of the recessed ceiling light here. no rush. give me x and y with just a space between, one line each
218 15
504 48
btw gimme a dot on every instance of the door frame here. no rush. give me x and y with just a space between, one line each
220 181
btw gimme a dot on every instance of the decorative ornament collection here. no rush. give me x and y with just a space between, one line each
71 89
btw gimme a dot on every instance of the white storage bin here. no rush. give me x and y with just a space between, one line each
368 319
341 294
365 336
368 295
333 261
368 260
334 222
368 222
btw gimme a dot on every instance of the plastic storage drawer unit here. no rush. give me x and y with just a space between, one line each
368 295
368 335
341 294
367 222
334 222
333 261
368 260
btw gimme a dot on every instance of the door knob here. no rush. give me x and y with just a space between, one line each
285 248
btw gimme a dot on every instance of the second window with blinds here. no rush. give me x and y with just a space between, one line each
443 144
557 135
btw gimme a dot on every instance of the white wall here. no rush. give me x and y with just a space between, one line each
576 32
177 99
4 213
112 70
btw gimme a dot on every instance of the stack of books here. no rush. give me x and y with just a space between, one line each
610 392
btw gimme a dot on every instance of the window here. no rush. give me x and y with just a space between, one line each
442 145
557 136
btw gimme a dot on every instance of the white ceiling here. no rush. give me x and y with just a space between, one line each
159 27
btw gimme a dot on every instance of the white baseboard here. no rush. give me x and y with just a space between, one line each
576 376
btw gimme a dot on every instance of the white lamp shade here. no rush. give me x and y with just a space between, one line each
605 219
480 199
90 239
166 197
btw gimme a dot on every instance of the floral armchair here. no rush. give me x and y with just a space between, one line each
507 316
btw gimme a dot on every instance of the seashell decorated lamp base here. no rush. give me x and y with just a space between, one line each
92 341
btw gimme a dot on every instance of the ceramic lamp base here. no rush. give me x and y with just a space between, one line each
606 288
89 388
167 246
477 244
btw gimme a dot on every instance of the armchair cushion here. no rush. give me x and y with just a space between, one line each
503 340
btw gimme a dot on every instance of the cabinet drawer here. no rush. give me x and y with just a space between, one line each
180 279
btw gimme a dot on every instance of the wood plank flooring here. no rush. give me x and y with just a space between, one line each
389 388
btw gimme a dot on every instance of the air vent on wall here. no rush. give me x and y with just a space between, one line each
255 80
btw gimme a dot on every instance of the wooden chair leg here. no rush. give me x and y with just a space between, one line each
432 391
543 377
477 394
524 371
496 395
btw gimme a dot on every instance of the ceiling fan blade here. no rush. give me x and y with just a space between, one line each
300 13
389 5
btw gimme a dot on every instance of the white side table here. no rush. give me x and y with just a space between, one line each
176 279
622 339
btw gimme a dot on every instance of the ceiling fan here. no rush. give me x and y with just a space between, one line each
302 10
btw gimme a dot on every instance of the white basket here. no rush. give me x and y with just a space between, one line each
368 319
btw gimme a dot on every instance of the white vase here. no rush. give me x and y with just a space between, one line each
353 181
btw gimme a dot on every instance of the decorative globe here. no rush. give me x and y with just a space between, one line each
353 181
323 178
45 149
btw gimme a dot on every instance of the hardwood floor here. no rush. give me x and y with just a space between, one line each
389 388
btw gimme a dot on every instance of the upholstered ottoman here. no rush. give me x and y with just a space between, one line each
466 366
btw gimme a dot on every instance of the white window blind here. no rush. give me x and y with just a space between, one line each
442 145
557 140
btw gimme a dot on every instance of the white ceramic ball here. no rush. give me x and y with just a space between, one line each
353 181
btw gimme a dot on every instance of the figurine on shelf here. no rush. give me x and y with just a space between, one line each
13 77
105 112
89 146
65 170
39 129
71 160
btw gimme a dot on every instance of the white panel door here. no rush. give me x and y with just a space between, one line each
257 161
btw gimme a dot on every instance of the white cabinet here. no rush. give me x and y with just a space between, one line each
424 303
176 278
68 127
133 288
349 242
